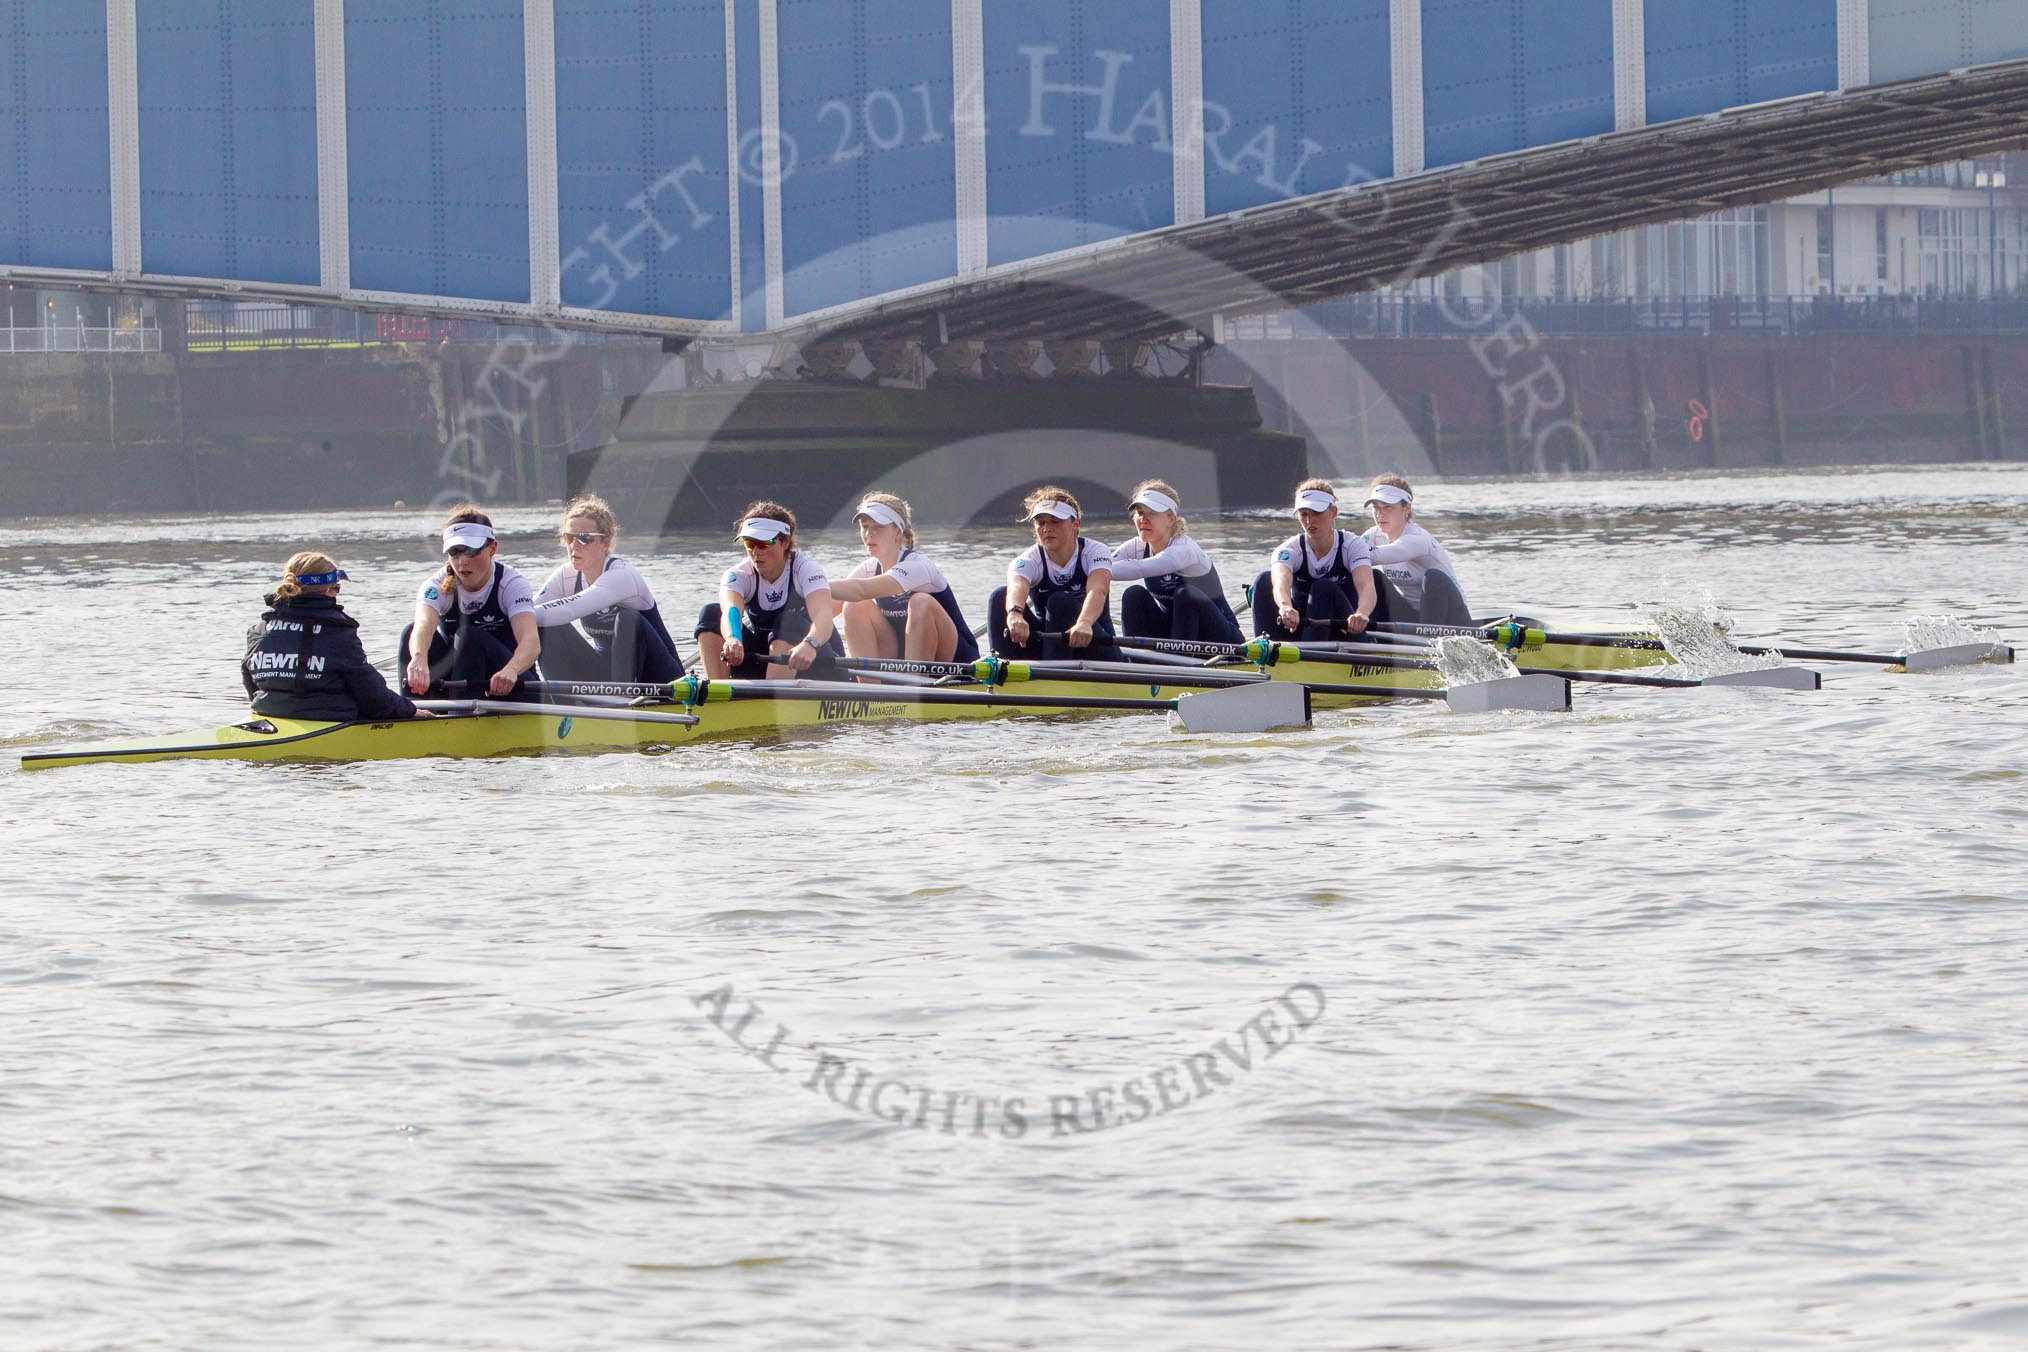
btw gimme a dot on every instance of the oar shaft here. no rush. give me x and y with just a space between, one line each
1173 647
1752 650
996 674
585 711
1428 630
585 689
707 692
1613 678
1356 655
1823 655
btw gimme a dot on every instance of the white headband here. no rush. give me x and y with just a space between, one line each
1155 500
468 534
1315 500
763 528
1055 507
1390 494
879 513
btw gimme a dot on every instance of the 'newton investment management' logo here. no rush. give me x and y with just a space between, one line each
863 1089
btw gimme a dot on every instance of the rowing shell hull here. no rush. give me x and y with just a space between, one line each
511 734
1571 657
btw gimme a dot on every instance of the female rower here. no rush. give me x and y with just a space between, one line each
1183 597
1410 560
897 603
775 601
478 612
1059 585
1320 583
597 618
304 658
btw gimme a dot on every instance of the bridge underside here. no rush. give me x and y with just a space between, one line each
1356 239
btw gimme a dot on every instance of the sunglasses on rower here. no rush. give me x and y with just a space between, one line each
461 552
754 546
579 537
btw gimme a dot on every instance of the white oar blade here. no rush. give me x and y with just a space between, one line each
1535 694
1963 654
1261 707
1772 678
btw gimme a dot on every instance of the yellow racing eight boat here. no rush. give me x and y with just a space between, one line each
591 717
1201 685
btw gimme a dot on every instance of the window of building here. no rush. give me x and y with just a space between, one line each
1826 252
1880 243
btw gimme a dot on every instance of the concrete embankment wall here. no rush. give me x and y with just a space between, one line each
1728 400
307 428
288 429
960 450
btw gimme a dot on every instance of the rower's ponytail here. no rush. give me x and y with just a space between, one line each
307 561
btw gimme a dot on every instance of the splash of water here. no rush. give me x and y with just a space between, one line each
1462 660
1695 638
1941 631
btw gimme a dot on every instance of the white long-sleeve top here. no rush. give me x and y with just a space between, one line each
1404 561
1182 555
565 597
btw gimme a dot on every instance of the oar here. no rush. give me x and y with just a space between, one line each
1254 707
1774 678
1929 659
592 711
1272 652
993 671
1509 635
1502 633
1550 692
589 689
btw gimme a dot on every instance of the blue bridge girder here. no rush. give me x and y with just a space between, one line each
934 170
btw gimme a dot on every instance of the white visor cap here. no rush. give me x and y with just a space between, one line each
1055 507
469 535
1389 494
763 528
1155 500
879 513
1315 500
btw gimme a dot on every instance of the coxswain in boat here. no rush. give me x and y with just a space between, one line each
773 617
897 603
304 658
1058 585
597 618
1180 595
479 614
1416 575
1319 586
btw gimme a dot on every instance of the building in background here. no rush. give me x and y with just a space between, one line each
1947 232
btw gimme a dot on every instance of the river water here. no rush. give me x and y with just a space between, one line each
1685 1020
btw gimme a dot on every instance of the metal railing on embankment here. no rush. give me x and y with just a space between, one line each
1393 317
80 338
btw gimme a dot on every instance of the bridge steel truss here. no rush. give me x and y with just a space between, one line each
935 171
